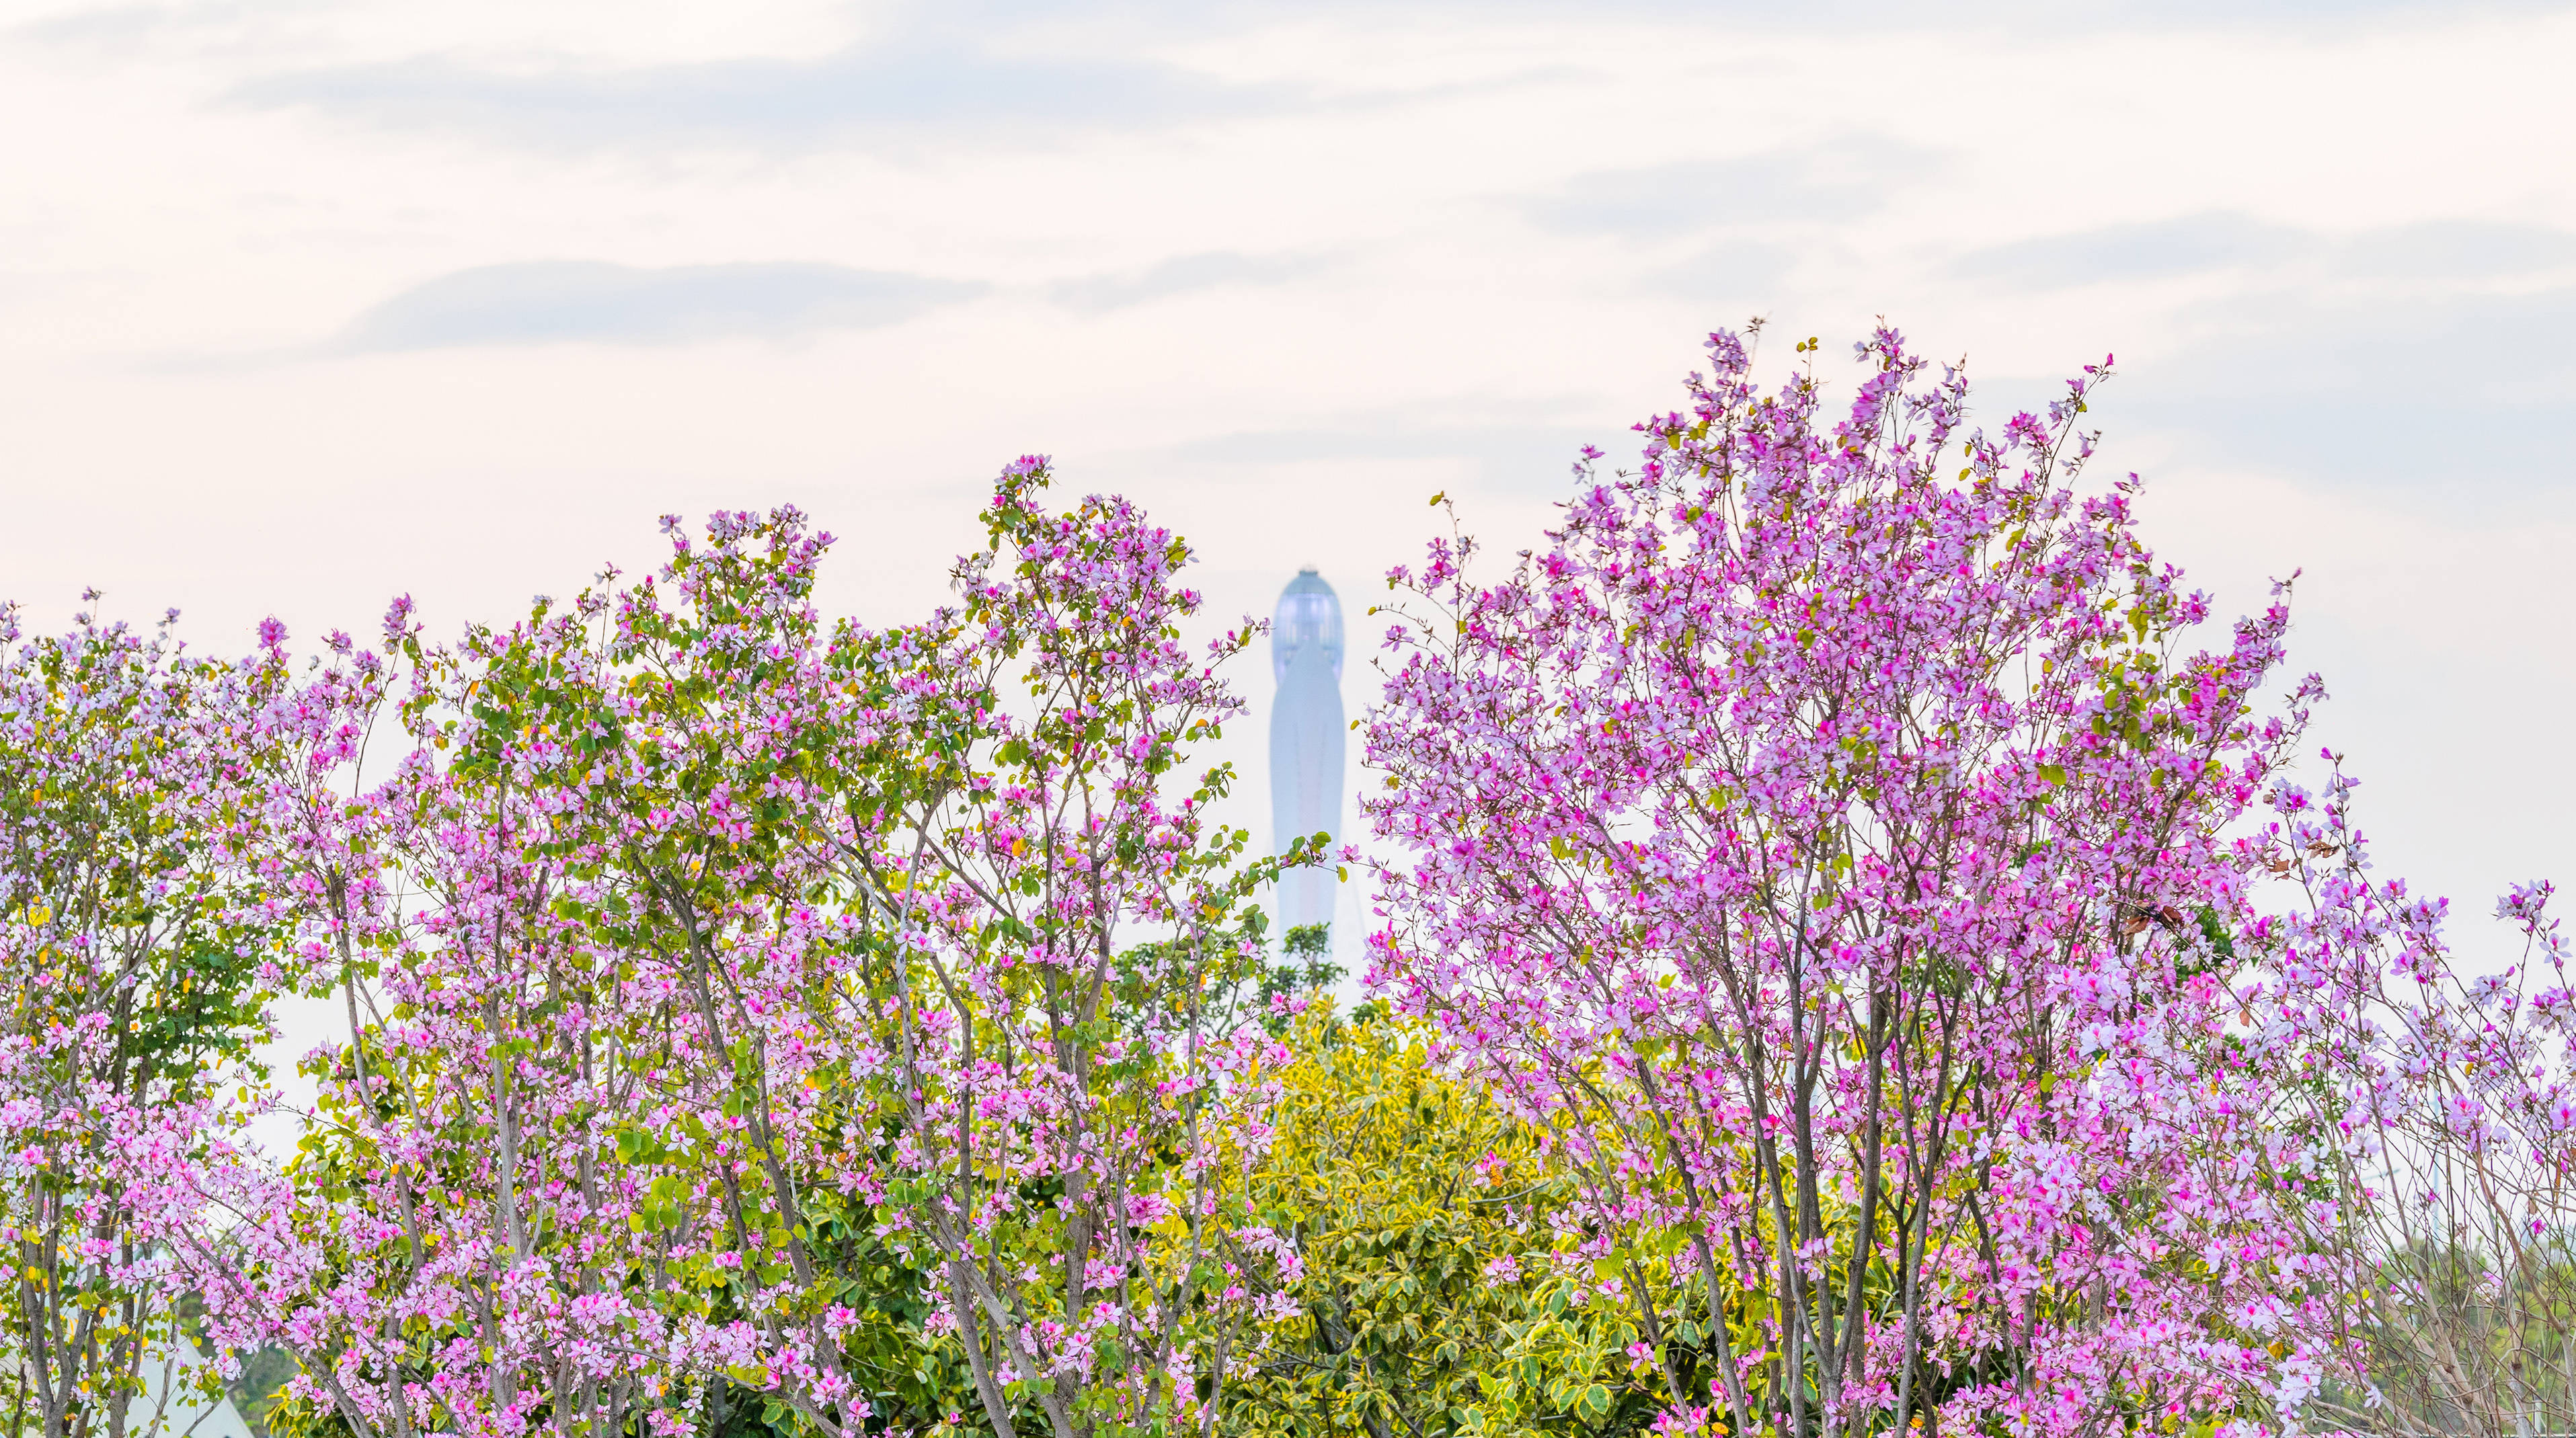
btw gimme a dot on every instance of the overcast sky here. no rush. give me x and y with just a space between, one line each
307 302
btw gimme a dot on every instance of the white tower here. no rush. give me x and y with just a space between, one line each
1306 737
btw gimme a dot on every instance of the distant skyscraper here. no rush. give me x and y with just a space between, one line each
1306 738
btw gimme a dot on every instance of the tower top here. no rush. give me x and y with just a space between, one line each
1309 616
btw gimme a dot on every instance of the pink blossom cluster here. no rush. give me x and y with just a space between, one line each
1825 837
703 964
138 931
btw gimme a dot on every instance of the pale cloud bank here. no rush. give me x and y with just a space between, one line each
915 90
554 301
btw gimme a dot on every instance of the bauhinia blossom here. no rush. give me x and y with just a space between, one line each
1821 834
138 941
745 1010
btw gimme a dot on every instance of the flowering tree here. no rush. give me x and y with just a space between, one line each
744 1010
2462 1091
540 1190
1821 835
135 947
1051 948
451 1249
475 1241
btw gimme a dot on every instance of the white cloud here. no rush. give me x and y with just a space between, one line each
918 88
549 302
1181 275
1842 179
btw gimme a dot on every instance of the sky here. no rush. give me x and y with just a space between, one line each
306 303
